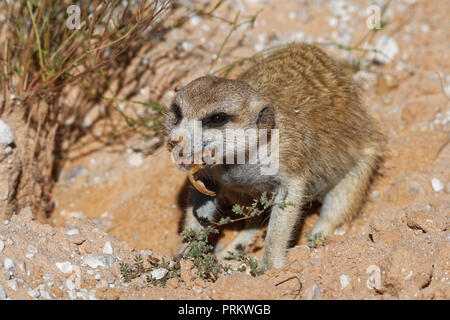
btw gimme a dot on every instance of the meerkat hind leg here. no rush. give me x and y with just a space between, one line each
344 201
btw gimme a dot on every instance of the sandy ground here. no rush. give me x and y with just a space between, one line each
111 205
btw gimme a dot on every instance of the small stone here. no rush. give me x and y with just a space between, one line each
387 49
2 245
75 172
78 215
107 248
437 185
99 260
9 265
34 293
315 292
374 279
94 261
73 232
197 290
146 252
2 293
135 160
187 45
65 267
373 195
69 284
13 284
159 273
6 134
386 82
195 21
46 295
92 295
32 249
345 280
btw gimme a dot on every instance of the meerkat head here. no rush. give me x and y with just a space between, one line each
205 111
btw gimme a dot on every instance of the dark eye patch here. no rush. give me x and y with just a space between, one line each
176 110
217 119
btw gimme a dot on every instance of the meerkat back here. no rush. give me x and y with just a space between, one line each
323 127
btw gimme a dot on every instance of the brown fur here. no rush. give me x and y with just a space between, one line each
329 146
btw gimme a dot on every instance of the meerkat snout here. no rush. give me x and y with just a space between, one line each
327 146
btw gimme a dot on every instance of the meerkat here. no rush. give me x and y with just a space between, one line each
329 147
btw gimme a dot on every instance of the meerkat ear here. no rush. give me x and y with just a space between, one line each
266 117
263 113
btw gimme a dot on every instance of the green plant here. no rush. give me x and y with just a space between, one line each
130 272
315 241
199 251
43 62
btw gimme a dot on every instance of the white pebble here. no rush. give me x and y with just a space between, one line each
333 22
146 252
65 267
135 160
94 261
34 293
31 251
437 185
195 21
187 45
2 293
73 232
374 279
78 215
107 248
69 284
2 245
345 280
8 264
13 284
409 275
99 260
158 273
46 295
6 134
389 48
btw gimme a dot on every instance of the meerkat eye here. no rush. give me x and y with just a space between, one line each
176 110
217 119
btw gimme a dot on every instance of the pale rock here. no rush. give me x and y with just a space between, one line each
65 267
99 260
387 48
345 280
437 185
34 293
159 273
135 160
6 134
73 232
2 293
107 248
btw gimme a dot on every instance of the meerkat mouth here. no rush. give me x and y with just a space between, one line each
198 184
193 168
